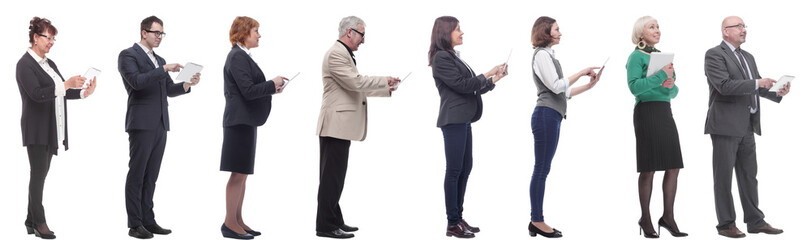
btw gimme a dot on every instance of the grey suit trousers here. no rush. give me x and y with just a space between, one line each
736 153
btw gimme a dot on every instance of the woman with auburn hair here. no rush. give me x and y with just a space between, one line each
44 120
554 91
460 91
247 106
657 139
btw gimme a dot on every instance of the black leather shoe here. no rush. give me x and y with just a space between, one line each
254 233
533 231
459 231
468 227
669 228
337 233
228 233
347 228
140 232
157 229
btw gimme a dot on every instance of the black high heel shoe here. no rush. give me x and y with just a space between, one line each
39 234
534 231
664 224
647 235
228 233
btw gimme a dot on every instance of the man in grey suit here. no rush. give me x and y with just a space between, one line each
732 119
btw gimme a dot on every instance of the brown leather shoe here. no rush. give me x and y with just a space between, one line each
767 229
459 231
731 232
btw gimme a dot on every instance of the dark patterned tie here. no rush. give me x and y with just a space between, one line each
753 100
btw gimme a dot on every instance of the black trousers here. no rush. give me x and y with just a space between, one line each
146 154
333 162
40 159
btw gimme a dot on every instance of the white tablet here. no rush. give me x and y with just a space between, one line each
785 79
188 71
90 74
289 80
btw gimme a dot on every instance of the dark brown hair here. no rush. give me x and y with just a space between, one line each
241 29
40 26
541 32
441 36
146 24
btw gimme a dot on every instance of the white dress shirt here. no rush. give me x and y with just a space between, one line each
545 70
150 54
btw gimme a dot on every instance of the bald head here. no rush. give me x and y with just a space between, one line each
734 30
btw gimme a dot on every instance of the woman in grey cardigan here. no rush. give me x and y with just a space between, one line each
553 92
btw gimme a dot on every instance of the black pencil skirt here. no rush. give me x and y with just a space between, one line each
657 139
238 149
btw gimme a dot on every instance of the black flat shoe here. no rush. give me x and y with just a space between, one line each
337 233
459 231
469 228
228 233
534 231
647 235
254 233
347 228
43 235
140 232
157 229
662 223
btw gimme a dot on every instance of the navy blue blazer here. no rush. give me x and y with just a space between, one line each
148 88
247 92
38 121
459 89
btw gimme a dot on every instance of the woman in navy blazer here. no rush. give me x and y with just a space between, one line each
460 91
44 114
247 106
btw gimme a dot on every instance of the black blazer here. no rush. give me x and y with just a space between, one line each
38 121
148 87
459 89
247 93
730 93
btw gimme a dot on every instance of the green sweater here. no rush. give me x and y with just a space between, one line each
647 89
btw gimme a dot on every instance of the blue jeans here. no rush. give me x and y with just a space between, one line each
546 130
458 163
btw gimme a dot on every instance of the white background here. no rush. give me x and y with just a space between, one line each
394 184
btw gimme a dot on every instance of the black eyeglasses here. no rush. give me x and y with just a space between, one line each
157 33
362 35
52 39
738 26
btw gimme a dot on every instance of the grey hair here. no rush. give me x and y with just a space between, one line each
347 23
639 27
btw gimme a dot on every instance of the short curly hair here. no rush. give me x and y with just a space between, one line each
241 29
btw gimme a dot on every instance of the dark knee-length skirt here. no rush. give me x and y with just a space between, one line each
657 139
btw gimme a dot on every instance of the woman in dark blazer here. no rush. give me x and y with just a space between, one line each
460 91
247 106
657 139
44 114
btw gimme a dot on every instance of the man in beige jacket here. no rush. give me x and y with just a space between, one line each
342 118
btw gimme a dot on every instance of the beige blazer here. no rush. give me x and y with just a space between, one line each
343 107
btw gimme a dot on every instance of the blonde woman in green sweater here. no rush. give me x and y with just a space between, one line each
657 139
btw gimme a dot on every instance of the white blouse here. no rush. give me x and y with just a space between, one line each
545 70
